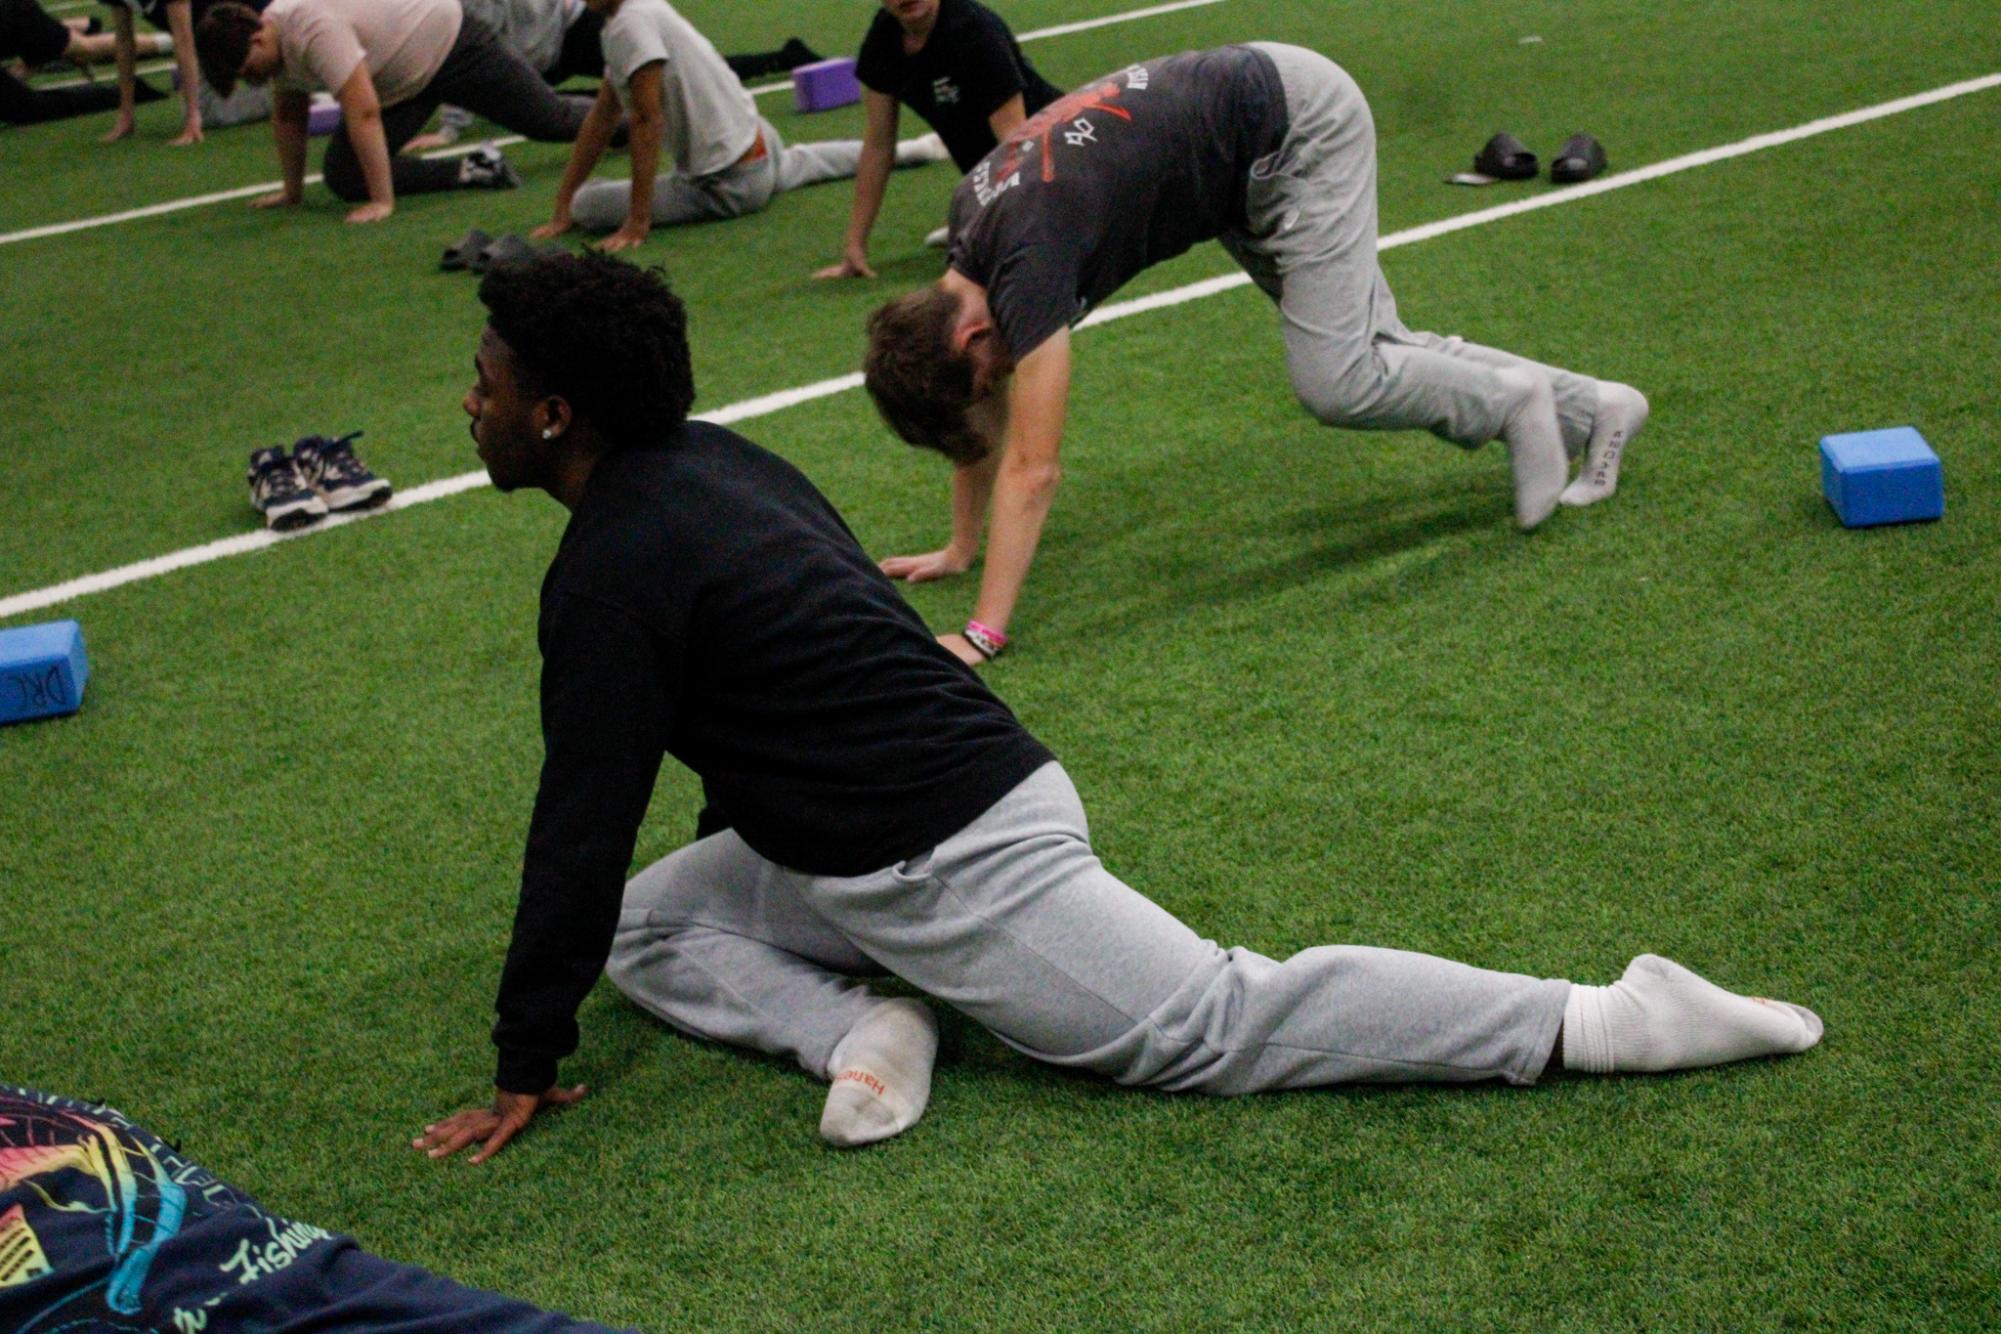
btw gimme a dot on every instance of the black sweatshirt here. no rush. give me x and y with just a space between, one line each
707 603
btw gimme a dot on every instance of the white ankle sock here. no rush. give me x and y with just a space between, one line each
1535 449
1622 412
924 148
1661 1016
882 1075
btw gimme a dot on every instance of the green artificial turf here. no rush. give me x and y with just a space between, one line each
1312 685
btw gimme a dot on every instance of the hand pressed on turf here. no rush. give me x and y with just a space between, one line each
940 564
625 238
373 211
854 264
492 1126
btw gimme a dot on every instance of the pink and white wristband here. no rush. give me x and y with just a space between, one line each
984 638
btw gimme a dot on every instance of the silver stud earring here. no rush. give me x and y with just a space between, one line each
548 433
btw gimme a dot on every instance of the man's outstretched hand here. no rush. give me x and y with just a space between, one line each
492 1126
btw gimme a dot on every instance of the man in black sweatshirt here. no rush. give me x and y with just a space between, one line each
874 808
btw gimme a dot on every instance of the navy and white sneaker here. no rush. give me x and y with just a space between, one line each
485 169
336 476
280 493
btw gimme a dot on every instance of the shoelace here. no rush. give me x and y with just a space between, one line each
280 477
336 459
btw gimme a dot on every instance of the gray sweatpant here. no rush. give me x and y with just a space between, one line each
602 205
1311 247
1015 922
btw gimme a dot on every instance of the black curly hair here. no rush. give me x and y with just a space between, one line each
608 336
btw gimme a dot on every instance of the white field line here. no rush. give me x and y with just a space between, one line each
219 197
1065 29
106 76
247 191
766 404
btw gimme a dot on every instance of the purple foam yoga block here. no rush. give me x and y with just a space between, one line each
43 670
323 118
825 85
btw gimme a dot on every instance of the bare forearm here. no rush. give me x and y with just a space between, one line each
371 150
646 134
1022 496
871 184
288 131
592 138
972 492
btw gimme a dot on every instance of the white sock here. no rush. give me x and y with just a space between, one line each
1535 448
924 148
1661 1016
163 43
1622 412
882 1075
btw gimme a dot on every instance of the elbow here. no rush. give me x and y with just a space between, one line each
1036 481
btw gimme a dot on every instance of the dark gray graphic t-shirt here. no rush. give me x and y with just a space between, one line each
1127 171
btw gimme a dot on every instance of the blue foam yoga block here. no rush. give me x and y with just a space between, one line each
43 670
1873 477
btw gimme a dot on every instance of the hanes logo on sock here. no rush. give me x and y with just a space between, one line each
864 1078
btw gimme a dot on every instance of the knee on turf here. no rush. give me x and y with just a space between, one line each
346 183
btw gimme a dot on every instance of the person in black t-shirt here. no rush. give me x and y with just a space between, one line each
954 63
32 34
873 807
104 1229
177 19
1269 149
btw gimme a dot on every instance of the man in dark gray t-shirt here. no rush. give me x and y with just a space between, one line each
1269 149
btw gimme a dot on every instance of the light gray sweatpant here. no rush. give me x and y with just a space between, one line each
1016 923
602 205
1311 247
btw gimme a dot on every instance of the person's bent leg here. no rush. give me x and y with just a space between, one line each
602 205
800 165
23 105
247 104
483 75
718 942
1312 214
407 175
714 940
1598 418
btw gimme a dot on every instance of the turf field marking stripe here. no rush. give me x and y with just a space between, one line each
219 197
242 544
1151 11
158 67
765 404
1060 30
248 191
